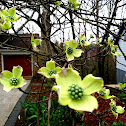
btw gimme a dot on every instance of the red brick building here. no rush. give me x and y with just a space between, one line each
11 56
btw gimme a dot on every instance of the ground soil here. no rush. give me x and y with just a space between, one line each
108 117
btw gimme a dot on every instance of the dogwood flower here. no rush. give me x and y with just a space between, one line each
35 43
116 109
113 50
91 36
58 3
50 70
10 15
110 42
83 41
71 50
122 85
12 80
6 25
98 44
76 93
75 4
104 93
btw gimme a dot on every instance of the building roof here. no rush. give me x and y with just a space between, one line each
12 41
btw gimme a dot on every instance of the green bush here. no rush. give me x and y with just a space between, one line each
30 113
121 123
121 96
59 116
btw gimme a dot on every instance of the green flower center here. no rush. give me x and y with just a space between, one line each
75 91
10 17
69 50
33 41
102 93
113 51
13 81
83 41
114 108
52 72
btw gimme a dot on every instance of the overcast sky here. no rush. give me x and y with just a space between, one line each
33 28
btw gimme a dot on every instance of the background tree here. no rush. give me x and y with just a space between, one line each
59 22
100 18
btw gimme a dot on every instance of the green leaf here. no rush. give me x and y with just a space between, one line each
117 54
12 12
122 86
58 3
4 12
75 4
31 117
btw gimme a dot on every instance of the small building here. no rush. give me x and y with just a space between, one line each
11 56
121 61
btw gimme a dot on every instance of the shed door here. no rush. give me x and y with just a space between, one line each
15 60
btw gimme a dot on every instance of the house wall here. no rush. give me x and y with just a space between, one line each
121 69
0 63
15 41
121 76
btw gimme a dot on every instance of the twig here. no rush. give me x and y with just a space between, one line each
34 93
49 107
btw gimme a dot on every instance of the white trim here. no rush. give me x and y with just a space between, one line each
2 62
32 63
14 52
125 37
